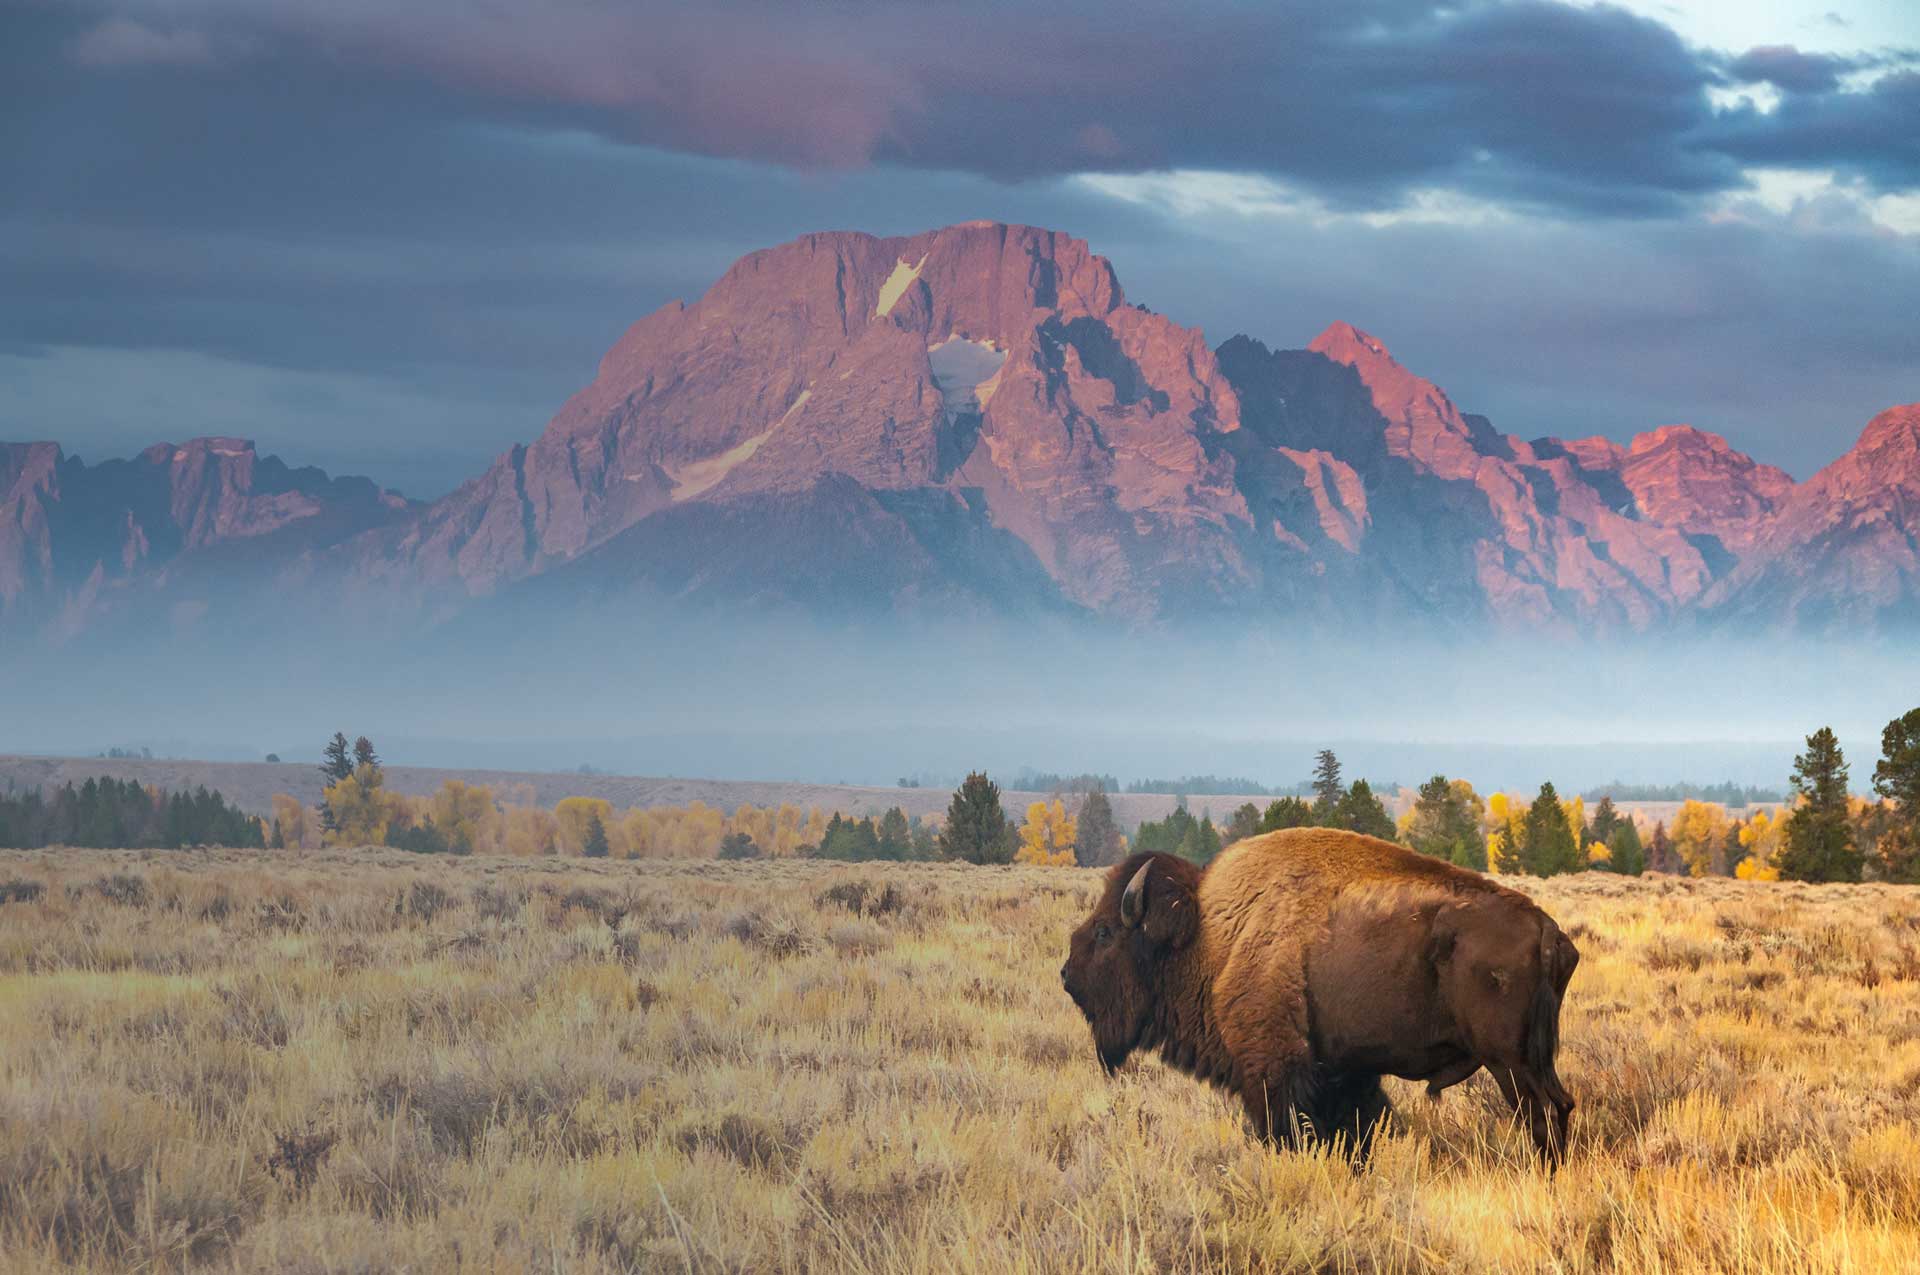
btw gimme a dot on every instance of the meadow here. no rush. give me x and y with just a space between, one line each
364 1061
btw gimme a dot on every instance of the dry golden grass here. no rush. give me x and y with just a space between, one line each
367 1061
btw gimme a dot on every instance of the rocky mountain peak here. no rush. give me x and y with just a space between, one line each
975 416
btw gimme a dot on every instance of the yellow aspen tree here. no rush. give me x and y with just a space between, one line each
1046 839
362 808
1696 830
465 815
531 831
1761 838
299 826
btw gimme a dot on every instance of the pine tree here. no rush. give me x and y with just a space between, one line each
336 764
1819 839
1199 842
1625 853
1660 856
363 754
1547 847
1287 812
1360 811
1099 842
1327 787
1245 823
336 761
1896 776
595 845
1605 820
896 838
977 830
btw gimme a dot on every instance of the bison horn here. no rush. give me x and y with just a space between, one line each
1133 904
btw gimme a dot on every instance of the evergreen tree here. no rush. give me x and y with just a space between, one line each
896 838
977 829
1660 856
1199 842
1896 776
738 845
1625 854
336 764
1470 853
1547 847
363 754
1443 823
1360 811
336 761
1168 835
1287 812
1819 843
1098 839
1605 820
1245 823
1327 787
595 846
1727 855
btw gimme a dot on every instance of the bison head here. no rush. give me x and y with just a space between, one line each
1148 911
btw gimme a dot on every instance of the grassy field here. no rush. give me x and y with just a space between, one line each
368 1062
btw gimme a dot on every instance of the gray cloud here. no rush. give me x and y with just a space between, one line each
1585 108
121 42
1873 133
385 258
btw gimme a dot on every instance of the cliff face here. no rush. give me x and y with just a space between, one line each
976 418
75 538
996 369
1841 553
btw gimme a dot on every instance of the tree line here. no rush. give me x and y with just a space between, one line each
119 814
1727 793
1822 833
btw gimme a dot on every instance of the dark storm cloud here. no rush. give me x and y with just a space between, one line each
1873 133
1788 69
453 215
1585 107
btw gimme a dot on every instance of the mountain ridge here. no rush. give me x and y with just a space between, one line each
976 417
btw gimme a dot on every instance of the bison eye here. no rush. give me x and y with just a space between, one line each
1101 934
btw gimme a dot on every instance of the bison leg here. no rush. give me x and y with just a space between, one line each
1542 1103
1348 1110
1277 1102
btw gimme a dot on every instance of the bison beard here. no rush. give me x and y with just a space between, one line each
1302 966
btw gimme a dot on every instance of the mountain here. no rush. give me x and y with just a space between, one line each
975 420
178 527
1843 551
983 389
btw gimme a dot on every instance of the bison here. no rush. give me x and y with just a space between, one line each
1300 967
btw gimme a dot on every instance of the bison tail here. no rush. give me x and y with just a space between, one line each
1557 959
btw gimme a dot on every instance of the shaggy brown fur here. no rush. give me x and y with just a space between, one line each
1301 966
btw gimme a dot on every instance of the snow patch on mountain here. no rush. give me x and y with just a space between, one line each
966 373
701 475
896 285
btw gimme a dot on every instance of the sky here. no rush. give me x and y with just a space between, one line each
390 238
